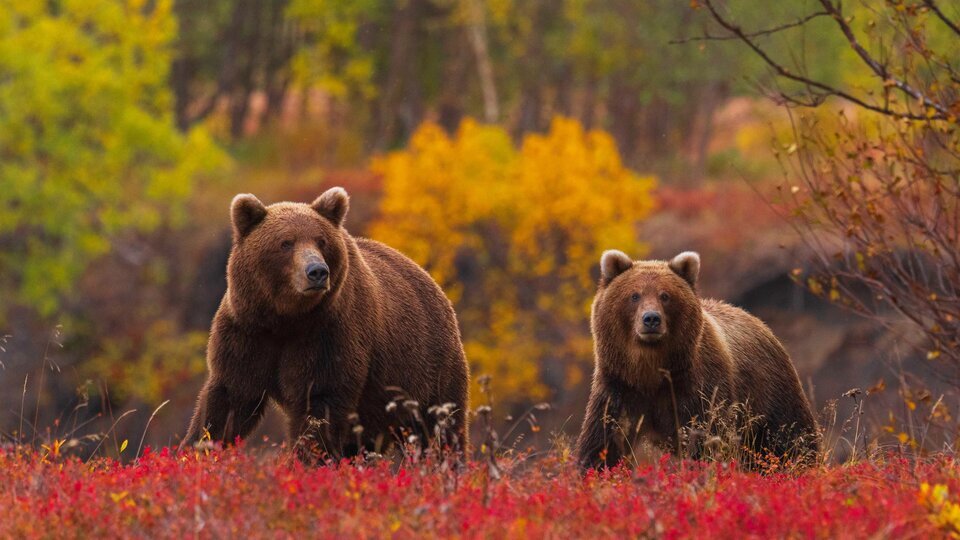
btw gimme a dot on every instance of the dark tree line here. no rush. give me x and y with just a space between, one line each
618 65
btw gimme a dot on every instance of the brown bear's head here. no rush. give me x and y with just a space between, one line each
287 257
647 311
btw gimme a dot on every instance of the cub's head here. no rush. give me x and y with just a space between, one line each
647 306
287 256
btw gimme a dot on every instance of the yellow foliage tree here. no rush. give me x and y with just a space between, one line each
513 237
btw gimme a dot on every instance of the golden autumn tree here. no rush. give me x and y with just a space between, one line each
514 236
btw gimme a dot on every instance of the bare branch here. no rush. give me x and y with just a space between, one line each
822 88
936 10
799 22
879 68
810 83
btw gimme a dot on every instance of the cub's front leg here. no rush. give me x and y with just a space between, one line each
601 442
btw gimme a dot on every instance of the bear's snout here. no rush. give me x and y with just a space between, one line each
650 326
317 274
651 321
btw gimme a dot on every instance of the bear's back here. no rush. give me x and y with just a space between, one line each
415 323
764 376
757 357
400 278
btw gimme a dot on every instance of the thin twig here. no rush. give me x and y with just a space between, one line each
143 436
112 427
760 33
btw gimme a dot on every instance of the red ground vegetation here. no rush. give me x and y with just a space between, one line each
238 493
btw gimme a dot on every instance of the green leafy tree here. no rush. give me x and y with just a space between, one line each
334 58
88 147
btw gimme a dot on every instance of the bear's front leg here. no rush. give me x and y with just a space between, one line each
223 414
321 424
234 396
600 442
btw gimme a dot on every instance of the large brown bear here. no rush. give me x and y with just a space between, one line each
666 359
327 326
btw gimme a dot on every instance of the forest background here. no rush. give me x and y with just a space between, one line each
502 144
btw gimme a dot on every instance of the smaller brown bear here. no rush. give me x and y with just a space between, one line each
328 326
667 359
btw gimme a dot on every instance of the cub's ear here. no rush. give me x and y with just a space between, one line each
333 205
246 211
687 266
613 263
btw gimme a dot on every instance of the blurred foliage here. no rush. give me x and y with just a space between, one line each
635 69
153 366
511 235
88 148
334 59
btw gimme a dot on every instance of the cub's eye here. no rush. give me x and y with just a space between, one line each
321 243
286 245
635 297
664 297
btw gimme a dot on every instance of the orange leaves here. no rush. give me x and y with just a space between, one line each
53 451
512 235
877 204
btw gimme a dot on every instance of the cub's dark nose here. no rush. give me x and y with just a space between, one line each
651 320
317 273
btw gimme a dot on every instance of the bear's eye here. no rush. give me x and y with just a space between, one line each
664 297
321 243
635 297
286 245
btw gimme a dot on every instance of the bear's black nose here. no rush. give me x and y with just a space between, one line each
317 273
651 320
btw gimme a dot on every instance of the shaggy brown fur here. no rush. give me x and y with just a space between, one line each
326 348
693 355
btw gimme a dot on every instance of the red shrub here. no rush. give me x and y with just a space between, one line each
234 493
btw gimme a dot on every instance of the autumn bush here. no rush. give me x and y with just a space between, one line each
872 184
512 235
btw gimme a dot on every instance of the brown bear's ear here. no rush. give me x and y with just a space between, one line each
246 211
687 266
613 263
333 205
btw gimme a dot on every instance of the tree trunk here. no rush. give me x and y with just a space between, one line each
400 69
247 36
623 106
477 29
701 128
280 48
531 78
180 76
588 107
454 85
655 126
